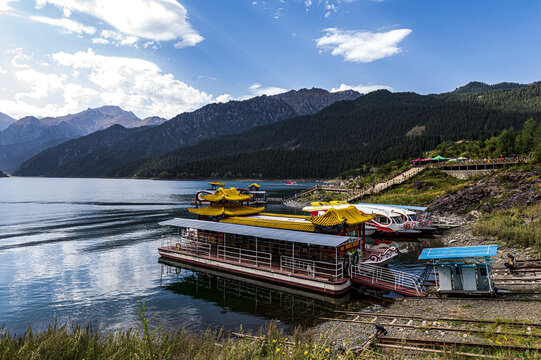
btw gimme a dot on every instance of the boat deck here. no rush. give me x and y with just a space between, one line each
274 265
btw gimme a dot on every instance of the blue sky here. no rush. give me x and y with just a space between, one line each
163 57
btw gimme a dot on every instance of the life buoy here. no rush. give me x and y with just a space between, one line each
346 266
177 246
191 233
423 223
407 226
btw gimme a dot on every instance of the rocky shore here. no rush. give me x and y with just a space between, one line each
433 307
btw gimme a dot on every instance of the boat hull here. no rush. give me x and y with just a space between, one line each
266 274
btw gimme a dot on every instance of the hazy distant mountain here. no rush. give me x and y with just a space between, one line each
92 120
476 87
152 120
28 136
2 174
31 129
5 121
183 130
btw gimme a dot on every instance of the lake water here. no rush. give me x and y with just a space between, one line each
85 250
81 250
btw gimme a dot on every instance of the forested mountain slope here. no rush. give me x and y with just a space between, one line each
371 129
183 130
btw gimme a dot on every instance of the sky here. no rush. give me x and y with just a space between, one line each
164 57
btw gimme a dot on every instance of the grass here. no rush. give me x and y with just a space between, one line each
64 342
518 226
420 189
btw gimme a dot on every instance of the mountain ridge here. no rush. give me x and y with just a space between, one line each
29 135
188 128
5 121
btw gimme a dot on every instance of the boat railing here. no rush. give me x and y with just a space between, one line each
312 268
190 246
391 277
245 256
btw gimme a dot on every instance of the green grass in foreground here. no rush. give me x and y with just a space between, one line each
517 226
61 342
420 189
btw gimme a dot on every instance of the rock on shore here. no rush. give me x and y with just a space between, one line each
498 192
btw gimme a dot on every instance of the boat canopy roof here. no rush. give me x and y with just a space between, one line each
272 223
459 252
231 194
349 215
217 183
439 157
226 209
254 185
262 232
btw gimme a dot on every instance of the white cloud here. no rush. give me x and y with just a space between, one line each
4 6
362 46
19 58
75 81
66 24
257 90
100 41
363 89
116 38
160 20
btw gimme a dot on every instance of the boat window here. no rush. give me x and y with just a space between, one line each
413 217
396 220
382 219
403 218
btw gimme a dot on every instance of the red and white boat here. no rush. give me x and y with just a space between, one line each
385 221
290 182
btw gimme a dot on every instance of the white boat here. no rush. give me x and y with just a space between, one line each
385 221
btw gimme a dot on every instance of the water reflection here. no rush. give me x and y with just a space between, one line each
243 295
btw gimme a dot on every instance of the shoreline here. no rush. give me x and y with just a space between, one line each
433 307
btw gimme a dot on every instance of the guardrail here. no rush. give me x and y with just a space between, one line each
312 268
510 160
251 257
394 279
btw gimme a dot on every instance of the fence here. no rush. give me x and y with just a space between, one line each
391 279
312 268
250 257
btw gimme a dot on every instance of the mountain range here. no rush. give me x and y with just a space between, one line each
100 153
5 121
28 136
299 134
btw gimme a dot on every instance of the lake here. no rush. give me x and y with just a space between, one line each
85 250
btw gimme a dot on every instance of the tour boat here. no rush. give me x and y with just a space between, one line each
408 215
258 196
385 221
315 253
290 182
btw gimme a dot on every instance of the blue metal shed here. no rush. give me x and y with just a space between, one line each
466 252
462 270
